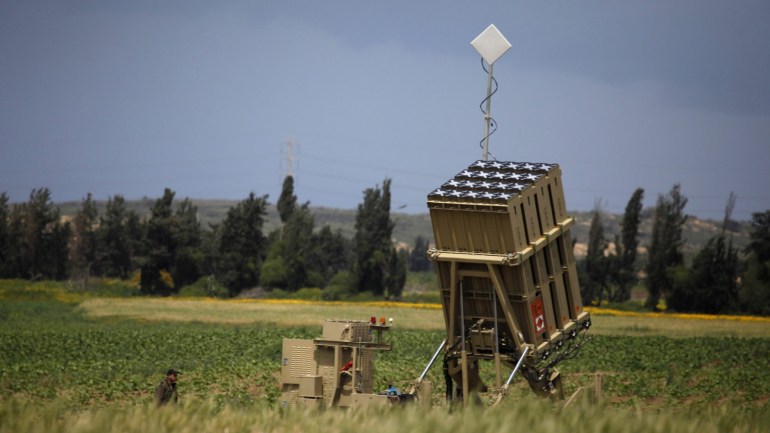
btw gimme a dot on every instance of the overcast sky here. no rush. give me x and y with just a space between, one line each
134 96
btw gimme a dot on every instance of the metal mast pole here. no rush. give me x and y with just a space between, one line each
488 116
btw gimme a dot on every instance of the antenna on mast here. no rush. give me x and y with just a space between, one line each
491 45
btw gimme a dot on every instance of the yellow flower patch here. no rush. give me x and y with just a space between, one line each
687 316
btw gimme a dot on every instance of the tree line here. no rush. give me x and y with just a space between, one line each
721 279
169 249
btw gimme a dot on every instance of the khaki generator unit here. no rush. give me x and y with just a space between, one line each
336 370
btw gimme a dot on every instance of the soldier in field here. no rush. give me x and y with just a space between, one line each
166 391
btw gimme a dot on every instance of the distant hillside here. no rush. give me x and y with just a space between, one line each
696 231
409 226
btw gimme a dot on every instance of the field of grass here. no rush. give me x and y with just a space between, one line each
529 415
76 362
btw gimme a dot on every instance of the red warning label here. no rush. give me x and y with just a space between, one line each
538 316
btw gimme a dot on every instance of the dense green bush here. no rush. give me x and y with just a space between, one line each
205 287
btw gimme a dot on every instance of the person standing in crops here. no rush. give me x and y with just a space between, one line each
166 392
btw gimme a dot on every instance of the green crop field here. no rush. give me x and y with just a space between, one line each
72 362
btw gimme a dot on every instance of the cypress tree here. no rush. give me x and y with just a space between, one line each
755 288
373 244
188 255
331 253
43 248
710 286
287 202
13 263
298 246
119 235
7 250
160 247
666 244
418 258
242 246
596 264
82 247
624 274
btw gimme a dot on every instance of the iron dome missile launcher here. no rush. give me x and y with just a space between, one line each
507 276
509 290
